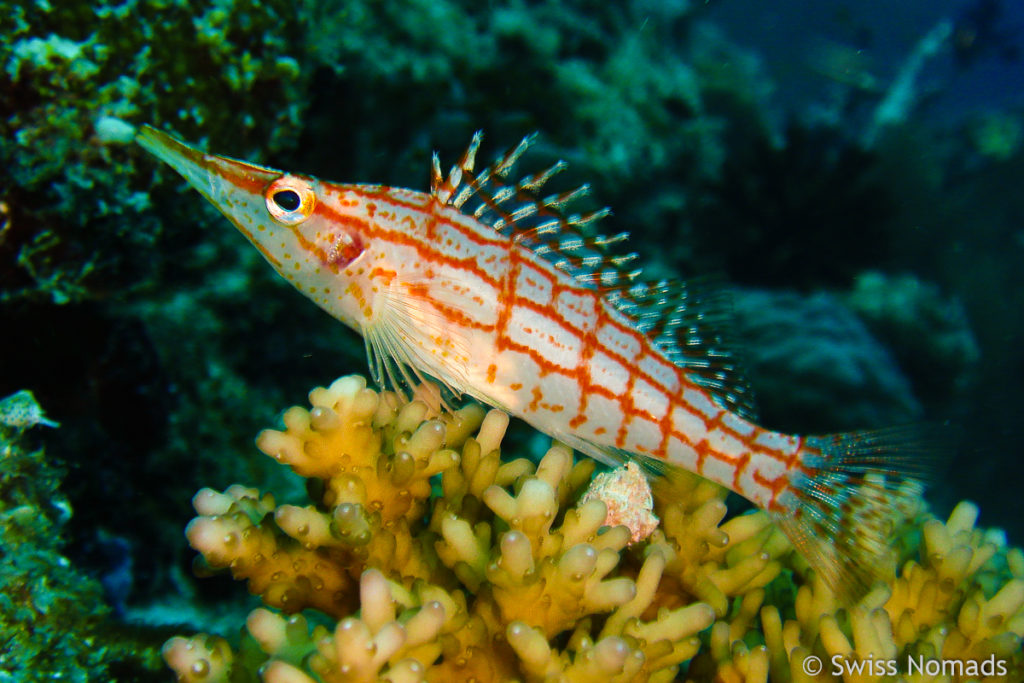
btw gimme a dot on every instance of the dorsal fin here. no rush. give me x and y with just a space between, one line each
689 321
692 322
538 223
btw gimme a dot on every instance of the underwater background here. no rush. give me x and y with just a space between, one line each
853 170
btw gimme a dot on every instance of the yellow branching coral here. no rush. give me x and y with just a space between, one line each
711 561
499 575
957 615
438 561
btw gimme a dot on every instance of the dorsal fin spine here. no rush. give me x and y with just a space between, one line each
591 216
509 159
446 191
572 243
524 212
468 160
504 194
537 180
557 201
435 174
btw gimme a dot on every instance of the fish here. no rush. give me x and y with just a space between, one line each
499 292
21 411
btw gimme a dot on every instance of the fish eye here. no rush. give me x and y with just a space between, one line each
290 200
287 200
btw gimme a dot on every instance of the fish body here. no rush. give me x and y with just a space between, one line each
498 293
21 411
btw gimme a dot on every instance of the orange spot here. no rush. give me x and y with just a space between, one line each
535 403
492 370
383 274
356 292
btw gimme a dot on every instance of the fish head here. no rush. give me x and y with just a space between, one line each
297 222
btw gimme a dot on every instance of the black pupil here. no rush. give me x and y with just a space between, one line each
287 199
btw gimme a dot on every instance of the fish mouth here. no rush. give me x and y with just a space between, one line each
224 181
193 165
236 188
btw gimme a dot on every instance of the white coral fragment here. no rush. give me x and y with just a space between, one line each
627 495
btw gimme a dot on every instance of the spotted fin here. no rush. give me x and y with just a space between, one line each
844 504
691 321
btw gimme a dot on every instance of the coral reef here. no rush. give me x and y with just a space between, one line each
482 578
73 79
53 617
815 365
928 333
96 246
424 556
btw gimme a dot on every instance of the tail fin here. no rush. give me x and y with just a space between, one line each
846 499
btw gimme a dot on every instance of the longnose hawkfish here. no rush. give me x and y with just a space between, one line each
497 292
